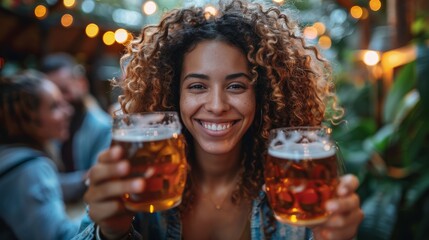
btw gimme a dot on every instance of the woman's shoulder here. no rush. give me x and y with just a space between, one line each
14 157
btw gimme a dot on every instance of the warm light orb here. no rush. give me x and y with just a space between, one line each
40 11
325 42
210 10
92 30
375 5
371 58
121 35
320 27
69 3
149 7
356 12
310 32
109 38
278 1
67 20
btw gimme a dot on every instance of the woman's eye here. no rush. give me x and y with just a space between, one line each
236 86
196 86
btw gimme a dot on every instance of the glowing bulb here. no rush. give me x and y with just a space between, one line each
210 10
40 11
67 20
371 58
149 7
375 5
69 3
320 27
325 42
109 38
356 12
121 35
310 32
92 30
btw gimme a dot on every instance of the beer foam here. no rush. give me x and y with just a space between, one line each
143 135
297 151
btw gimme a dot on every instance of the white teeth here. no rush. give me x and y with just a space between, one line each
217 127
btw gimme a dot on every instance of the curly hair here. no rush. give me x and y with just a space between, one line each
292 82
20 99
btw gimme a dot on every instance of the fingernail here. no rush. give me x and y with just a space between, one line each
116 150
342 191
123 167
330 206
137 185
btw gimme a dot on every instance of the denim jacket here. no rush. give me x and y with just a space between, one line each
167 225
31 204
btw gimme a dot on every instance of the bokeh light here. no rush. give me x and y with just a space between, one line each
375 5
325 42
310 32
320 27
356 12
109 38
121 35
69 3
371 58
92 30
149 7
67 20
211 10
40 11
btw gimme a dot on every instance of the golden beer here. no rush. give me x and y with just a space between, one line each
300 178
157 154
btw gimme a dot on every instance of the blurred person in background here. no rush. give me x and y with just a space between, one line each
33 112
90 125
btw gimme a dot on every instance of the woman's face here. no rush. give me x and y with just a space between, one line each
54 114
217 100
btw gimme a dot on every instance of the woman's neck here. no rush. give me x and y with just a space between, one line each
217 169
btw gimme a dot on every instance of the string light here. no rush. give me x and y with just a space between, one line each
320 27
67 20
375 5
310 32
121 35
210 10
40 11
109 38
69 3
92 30
356 12
325 42
371 58
149 7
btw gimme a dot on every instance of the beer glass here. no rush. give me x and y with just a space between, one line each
301 173
155 149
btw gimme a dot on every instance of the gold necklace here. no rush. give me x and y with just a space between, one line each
218 206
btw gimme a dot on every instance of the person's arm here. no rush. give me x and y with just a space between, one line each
72 185
38 208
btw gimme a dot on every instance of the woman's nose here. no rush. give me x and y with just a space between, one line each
217 101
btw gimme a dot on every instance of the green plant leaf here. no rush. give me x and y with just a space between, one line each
415 191
403 83
380 211
407 103
422 69
381 140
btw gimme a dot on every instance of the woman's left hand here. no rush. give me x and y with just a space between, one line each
346 214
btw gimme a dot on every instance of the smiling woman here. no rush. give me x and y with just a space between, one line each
232 77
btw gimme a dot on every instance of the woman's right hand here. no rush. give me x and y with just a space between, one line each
106 188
